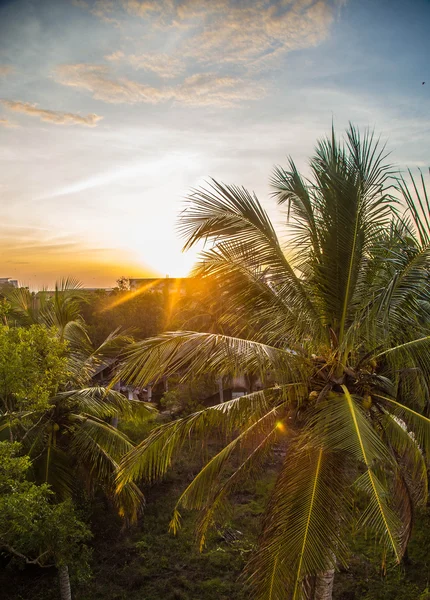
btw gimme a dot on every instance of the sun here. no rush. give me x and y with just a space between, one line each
165 258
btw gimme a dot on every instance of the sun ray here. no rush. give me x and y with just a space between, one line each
130 295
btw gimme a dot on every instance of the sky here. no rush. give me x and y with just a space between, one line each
111 111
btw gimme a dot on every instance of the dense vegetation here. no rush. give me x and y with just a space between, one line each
320 466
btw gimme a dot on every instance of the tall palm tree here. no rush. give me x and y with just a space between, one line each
336 326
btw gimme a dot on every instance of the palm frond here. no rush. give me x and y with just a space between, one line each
290 188
417 423
353 207
193 353
24 305
230 214
378 516
198 494
99 448
302 531
250 466
418 205
105 402
253 303
150 459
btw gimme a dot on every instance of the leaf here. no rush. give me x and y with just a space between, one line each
302 530
150 459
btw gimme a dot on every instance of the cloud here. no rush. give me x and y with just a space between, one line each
5 70
100 9
231 31
205 89
248 34
51 116
96 79
253 32
115 56
6 123
201 89
163 65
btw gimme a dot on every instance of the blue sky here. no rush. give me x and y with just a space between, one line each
112 110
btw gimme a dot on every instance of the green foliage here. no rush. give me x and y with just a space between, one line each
147 562
33 366
184 398
141 313
46 367
32 529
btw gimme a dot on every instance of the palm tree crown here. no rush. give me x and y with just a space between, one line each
336 328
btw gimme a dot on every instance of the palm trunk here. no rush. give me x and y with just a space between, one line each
63 576
323 589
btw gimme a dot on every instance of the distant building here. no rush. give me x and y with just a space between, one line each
180 285
96 289
7 281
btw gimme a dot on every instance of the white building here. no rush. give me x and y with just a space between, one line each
7 281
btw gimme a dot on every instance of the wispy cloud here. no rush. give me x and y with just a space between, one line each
115 56
97 80
226 31
249 32
6 123
202 89
216 50
51 116
205 89
163 65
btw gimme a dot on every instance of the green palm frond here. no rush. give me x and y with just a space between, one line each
150 459
302 531
198 494
104 403
230 214
129 502
193 353
378 516
63 307
354 207
417 423
24 306
410 282
410 490
98 443
291 188
417 345
418 205
217 502
414 353
409 456
253 301
54 467
99 447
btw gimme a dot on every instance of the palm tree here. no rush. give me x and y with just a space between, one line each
60 309
336 326
70 438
